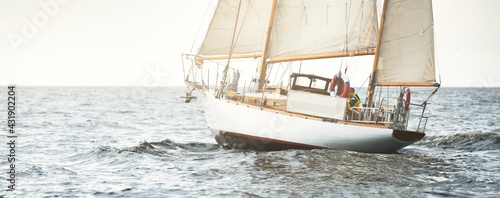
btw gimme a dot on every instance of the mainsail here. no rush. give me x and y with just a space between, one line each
406 51
317 28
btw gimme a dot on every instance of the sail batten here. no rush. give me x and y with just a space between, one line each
407 46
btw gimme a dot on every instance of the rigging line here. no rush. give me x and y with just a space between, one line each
186 77
268 72
360 24
341 63
347 18
364 28
327 8
346 27
183 68
201 77
276 75
286 69
356 20
300 66
253 77
359 88
233 36
199 28
305 14
436 61
201 112
245 20
189 72
430 96
367 27
373 27
354 70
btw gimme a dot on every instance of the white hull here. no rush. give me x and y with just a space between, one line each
241 126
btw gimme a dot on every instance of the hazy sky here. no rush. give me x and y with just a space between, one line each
136 43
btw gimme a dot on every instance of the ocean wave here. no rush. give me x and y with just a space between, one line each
163 148
475 141
146 147
166 146
126 112
101 154
106 151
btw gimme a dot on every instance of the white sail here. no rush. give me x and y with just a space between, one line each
303 27
249 33
407 46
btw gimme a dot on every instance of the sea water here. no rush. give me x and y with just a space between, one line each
146 142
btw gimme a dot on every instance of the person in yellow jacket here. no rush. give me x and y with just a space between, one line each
353 101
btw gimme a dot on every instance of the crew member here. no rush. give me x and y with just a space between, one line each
354 100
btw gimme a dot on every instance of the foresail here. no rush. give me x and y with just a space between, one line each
406 56
250 29
316 28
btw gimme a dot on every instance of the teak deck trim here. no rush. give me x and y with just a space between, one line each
276 111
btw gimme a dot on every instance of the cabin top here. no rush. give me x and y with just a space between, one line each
310 83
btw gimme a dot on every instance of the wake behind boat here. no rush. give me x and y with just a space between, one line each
304 110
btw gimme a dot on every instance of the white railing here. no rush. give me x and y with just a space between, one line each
393 115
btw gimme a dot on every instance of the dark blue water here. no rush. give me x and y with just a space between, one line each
146 142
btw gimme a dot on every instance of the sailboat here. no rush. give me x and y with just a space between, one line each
315 110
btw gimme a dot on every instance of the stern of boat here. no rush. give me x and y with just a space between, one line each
407 136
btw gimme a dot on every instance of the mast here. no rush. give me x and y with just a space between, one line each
263 65
230 50
371 87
